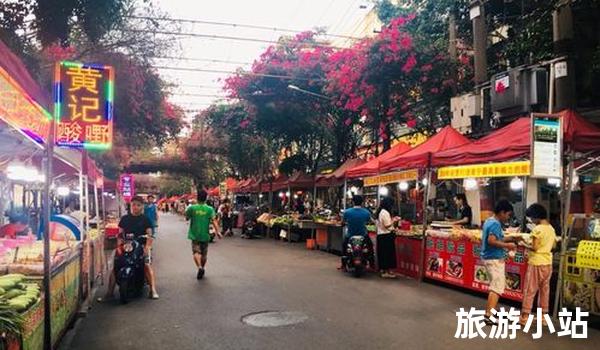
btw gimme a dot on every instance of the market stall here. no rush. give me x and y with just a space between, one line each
498 166
24 127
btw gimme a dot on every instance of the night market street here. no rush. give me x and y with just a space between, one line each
249 276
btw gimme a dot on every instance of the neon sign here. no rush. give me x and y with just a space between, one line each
21 111
83 105
127 186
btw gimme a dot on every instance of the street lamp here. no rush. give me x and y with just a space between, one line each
295 88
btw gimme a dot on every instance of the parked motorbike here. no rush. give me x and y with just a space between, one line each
249 229
357 257
129 264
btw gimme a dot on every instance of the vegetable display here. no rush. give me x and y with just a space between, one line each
18 294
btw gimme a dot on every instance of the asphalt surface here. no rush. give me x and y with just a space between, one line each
250 276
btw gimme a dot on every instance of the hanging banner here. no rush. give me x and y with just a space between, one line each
391 178
19 110
509 169
127 186
83 105
546 145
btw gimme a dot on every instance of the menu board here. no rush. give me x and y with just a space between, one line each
546 153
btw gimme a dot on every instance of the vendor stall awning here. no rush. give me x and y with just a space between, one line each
372 167
514 142
300 180
336 178
419 157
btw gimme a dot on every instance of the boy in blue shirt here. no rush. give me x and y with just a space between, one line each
493 253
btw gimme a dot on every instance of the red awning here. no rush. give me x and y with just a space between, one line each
514 142
213 191
336 178
280 182
300 180
18 72
372 166
419 156
230 183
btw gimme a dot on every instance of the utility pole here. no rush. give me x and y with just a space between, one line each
477 15
564 71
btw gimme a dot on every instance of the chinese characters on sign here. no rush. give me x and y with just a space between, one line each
546 146
83 105
21 111
521 168
391 177
127 186
506 324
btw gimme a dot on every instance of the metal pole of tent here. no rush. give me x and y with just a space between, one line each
563 235
103 206
81 191
47 216
345 194
425 220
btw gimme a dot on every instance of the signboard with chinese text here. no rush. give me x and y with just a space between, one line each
546 146
509 169
21 111
127 186
83 105
588 254
391 178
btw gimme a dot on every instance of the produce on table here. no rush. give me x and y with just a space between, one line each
17 294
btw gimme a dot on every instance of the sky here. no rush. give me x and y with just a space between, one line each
337 16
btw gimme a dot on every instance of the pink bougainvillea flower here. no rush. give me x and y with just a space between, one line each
411 123
410 63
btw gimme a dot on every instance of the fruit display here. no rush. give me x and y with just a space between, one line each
26 257
415 231
18 294
283 220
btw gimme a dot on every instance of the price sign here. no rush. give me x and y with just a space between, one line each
588 255
83 105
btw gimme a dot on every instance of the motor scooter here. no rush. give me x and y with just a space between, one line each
129 267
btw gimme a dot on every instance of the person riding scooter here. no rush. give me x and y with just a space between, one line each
136 223
356 220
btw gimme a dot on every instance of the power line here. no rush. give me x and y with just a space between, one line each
198 95
224 37
236 25
200 59
186 69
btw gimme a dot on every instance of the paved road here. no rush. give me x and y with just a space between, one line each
250 276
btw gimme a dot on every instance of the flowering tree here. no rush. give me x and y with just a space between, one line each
393 80
307 126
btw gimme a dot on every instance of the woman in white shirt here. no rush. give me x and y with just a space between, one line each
386 238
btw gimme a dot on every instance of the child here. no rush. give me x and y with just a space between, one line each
493 254
539 269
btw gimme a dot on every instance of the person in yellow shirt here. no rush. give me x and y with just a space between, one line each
539 269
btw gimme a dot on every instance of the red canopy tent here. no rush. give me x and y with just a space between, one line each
336 178
372 167
514 141
300 180
420 156
214 192
280 182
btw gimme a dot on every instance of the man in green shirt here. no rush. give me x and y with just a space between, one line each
201 216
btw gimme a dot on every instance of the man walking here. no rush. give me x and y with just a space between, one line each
201 216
